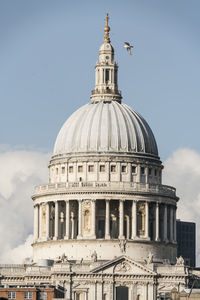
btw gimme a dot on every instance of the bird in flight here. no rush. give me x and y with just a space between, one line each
128 47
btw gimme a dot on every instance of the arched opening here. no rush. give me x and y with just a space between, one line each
122 293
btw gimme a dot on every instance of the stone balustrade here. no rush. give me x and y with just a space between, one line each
108 186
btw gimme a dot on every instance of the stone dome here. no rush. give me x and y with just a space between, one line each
106 127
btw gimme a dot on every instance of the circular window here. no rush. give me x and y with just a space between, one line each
107 57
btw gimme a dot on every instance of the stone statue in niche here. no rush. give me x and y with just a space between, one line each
122 245
150 258
87 221
180 261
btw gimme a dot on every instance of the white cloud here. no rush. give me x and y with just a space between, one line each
20 171
182 170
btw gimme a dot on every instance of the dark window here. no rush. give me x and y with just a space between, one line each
28 295
102 168
42 295
123 169
91 168
142 170
155 172
133 169
70 169
150 170
11 295
113 168
80 169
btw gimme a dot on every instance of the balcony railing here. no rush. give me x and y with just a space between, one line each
107 186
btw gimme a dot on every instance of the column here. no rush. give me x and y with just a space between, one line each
175 225
47 220
67 219
93 207
79 219
40 220
36 222
146 292
171 224
147 220
107 220
165 224
134 220
56 221
121 219
157 222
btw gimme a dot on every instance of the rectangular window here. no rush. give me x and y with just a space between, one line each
123 169
133 169
107 75
70 169
150 171
11 295
56 171
102 168
80 169
155 172
28 295
91 168
142 170
113 168
42 295
63 170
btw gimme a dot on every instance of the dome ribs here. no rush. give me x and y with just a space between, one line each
106 127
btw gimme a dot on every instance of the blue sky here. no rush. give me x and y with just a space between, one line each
47 57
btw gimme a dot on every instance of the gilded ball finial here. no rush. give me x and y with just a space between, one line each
106 30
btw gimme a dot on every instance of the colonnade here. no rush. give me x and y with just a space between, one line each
141 220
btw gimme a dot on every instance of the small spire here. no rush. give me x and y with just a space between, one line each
106 30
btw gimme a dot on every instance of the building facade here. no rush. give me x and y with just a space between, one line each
186 241
105 225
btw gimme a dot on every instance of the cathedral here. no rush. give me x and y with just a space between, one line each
104 225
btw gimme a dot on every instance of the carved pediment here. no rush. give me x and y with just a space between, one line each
123 265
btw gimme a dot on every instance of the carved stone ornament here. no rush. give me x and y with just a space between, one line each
123 267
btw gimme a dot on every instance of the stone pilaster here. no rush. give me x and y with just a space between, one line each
56 221
47 219
107 227
171 224
121 219
147 220
157 238
134 220
79 220
36 222
67 219
165 224
93 211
